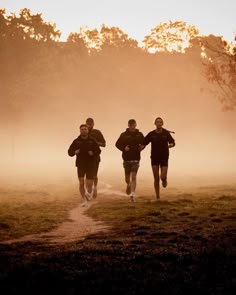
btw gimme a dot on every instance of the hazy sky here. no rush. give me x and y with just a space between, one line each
136 17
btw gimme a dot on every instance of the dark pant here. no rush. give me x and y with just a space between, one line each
162 162
96 166
131 166
86 169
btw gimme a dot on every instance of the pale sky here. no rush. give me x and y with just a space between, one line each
135 17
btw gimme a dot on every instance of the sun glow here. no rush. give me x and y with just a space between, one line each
135 17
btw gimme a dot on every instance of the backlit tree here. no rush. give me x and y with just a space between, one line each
171 36
219 60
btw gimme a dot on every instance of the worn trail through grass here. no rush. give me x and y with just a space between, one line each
76 227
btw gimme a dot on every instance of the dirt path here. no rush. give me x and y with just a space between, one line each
79 225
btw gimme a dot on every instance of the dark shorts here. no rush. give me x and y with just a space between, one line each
159 162
131 166
96 166
86 169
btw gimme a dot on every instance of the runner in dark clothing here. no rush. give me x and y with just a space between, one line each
99 138
86 150
161 140
129 143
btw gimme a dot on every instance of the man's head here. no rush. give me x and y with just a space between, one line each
132 124
90 123
84 130
159 122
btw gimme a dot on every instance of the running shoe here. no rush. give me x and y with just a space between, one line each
88 196
164 183
132 197
84 204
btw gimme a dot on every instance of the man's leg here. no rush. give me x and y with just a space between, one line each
82 191
133 181
95 179
127 180
89 188
155 170
127 176
134 172
164 170
89 171
81 187
133 185
81 174
95 182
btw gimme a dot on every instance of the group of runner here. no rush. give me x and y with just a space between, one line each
86 148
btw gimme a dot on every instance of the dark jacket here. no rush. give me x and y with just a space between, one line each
99 138
133 140
159 143
85 145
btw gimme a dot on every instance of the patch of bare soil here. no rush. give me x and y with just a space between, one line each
78 227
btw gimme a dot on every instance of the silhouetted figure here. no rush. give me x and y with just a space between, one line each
86 150
129 143
98 136
161 140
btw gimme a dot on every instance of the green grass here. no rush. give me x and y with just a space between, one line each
24 211
181 224
183 244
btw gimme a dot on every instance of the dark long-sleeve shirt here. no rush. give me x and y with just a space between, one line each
84 145
159 143
98 136
133 140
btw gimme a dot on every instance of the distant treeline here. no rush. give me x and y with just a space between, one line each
39 72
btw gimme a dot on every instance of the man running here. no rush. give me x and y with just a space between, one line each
86 150
99 138
129 143
161 140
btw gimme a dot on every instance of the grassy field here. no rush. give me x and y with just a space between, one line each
31 210
183 244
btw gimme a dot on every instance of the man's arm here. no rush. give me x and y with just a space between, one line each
73 149
95 150
171 141
102 141
120 143
146 141
98 136
141 137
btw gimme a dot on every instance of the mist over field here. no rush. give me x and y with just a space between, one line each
49 88
56 237
35 142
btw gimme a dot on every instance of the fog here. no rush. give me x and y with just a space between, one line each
34 143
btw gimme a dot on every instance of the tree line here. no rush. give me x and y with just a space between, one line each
34 60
